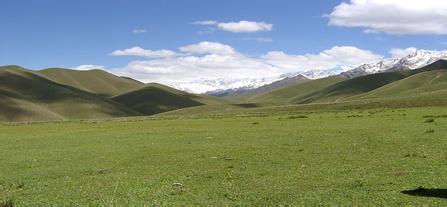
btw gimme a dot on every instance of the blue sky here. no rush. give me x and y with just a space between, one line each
48 33
63 33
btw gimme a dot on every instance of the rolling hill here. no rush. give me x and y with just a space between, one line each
287 95
26 96
342 91
94 81
339 89
242 94
156 98
60 94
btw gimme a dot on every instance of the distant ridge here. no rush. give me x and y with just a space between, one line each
242 92
337 89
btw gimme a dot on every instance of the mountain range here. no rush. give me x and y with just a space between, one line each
418 79
414 60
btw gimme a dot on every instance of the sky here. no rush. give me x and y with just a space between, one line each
192 44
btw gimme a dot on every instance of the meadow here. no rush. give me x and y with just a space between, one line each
392 157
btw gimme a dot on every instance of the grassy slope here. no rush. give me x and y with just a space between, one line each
350 87
354 158
26 96
248 95
382 85
416 88
356 87
94 81
418 84
156 98
288 94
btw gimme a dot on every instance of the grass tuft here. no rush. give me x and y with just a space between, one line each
429 120
298 117
7 203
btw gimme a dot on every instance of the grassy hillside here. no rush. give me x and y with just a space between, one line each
94 81
360 86
26 96
351 87
156 98
291 93
418 84
381 85
241 95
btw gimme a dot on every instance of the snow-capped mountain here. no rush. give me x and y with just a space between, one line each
412 61
220 84
418 59
316 74
284 82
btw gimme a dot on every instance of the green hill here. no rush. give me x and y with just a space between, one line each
156 98
381 85
347 89
241 95
27 96
94 81
418 84
294 92
60 94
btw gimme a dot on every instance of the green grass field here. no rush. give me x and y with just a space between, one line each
356 157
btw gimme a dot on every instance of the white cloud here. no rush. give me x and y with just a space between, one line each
411 17
237 27
339 56
208 48
399 53
259 39
209 63
205 22
88 67
245 26
138 51
139 31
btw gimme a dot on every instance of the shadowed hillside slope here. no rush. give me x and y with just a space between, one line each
362 85
240 95
288 94
418 84
94 81
338 89
156 98
26 96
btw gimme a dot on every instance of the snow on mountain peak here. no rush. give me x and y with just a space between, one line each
417 59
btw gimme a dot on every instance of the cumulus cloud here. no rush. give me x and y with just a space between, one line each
88 67
208 48
259 39
339 56
212 61
138 51
238 27
139 31
245 26
205 22
412 17
399 53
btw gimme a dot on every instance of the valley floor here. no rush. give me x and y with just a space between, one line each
371 156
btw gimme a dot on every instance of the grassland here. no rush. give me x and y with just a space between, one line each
351 157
